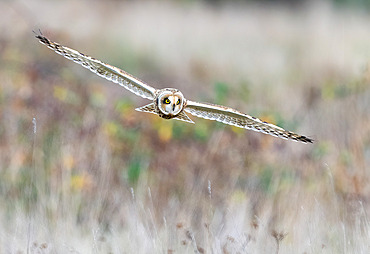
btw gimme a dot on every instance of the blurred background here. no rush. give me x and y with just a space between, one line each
82 172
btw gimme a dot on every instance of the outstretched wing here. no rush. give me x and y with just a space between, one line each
233 117
102 69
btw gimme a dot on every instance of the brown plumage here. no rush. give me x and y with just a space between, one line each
169 103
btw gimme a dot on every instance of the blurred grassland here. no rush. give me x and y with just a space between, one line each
82 172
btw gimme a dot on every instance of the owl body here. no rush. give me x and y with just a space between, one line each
170 103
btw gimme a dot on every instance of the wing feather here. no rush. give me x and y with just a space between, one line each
234 117
104 70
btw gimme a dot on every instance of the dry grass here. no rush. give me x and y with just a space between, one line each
82 172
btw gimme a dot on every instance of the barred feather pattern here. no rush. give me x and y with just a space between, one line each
104 70
218 113
233 117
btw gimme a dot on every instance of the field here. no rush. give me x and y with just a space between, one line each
82 172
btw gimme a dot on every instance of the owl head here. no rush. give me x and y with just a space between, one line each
170 101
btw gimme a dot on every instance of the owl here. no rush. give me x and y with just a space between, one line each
170 103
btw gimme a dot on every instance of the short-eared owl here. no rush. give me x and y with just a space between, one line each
169 103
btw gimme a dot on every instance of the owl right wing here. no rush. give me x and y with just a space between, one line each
233 117
104 70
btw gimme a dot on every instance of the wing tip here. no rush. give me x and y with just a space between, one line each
304 139
41 37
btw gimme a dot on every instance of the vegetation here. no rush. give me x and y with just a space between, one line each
82 172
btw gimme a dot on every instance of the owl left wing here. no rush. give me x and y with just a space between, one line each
104 70
233 117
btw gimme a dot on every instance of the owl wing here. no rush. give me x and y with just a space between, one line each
233 117
104 70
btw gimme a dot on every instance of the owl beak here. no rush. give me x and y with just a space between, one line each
173 107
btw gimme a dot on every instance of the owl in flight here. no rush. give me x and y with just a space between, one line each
170 103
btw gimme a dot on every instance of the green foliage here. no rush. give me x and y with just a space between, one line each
320 150
346 158
244 91
333 89
180 129
121 133
27 187
363 4
134 170
287 177
97 99
222 92
124 105
266 178
51 146
201 131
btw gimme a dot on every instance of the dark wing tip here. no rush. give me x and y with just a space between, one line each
305 139
41 37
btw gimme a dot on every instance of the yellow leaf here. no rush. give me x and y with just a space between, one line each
80 182
165 130
60 93
237 130
238 196
110 129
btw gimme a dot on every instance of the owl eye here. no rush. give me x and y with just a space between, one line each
166 101
178 102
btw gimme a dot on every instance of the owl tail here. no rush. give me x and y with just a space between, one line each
183 117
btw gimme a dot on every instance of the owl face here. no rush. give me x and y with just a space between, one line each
170 102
